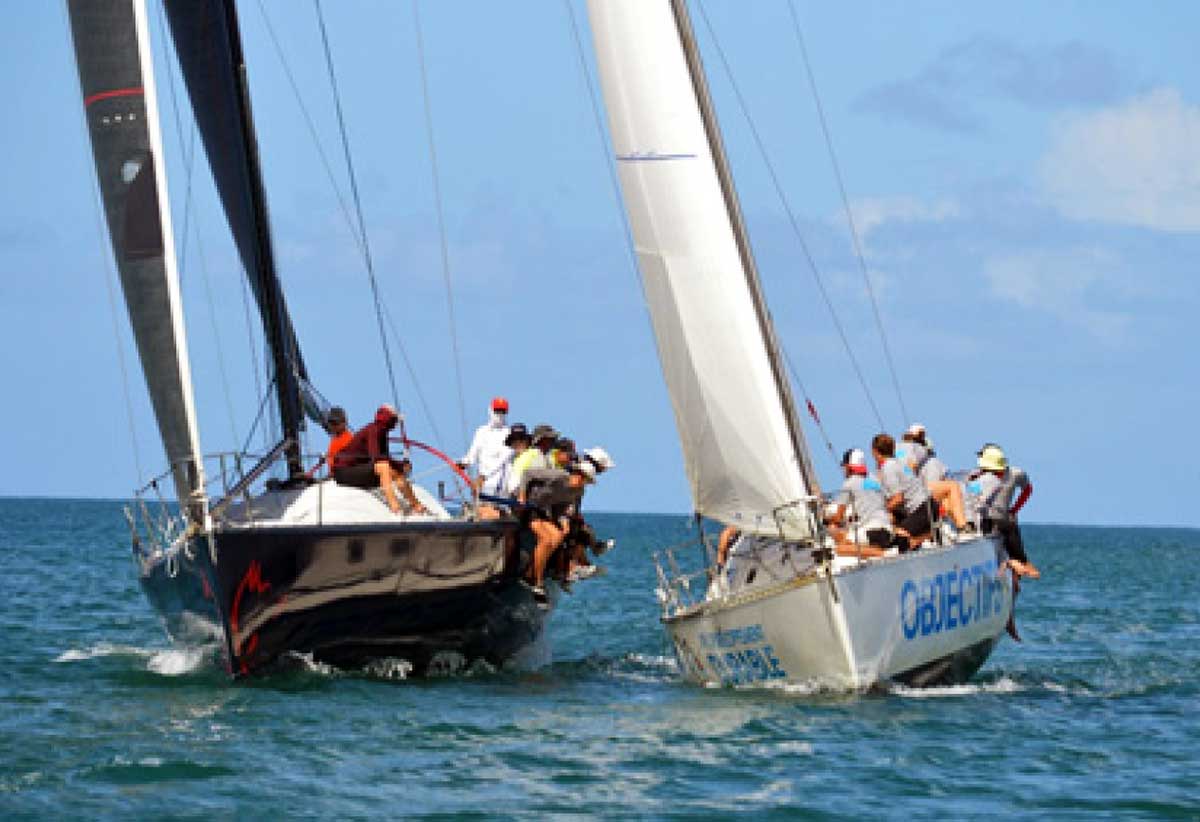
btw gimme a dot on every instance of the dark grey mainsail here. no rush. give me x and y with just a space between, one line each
116 78
208 45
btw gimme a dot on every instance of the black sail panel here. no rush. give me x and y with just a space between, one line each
208 46
104 33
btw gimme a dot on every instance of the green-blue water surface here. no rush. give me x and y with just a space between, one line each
1094 715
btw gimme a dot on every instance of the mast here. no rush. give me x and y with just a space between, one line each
279 336
766 327
208 44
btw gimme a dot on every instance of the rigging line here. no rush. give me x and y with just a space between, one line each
362 226
437 196
862 381
412 373
604 145
312 129
190 224
262 404
812 409
837 173
110 273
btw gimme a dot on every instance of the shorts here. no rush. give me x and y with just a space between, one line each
361 475
879 537
1013 544
918 521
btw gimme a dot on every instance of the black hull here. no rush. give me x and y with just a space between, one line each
349 595
954 669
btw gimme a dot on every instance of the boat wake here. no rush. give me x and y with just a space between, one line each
1003 685
161 661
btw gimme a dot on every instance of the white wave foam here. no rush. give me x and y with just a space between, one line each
102 649
1003 685
176 662
390 668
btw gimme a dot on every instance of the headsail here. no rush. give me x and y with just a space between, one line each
209 48
116 76
743 449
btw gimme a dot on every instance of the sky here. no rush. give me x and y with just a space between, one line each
1024 177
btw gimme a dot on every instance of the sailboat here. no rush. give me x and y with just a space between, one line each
791 613
265 568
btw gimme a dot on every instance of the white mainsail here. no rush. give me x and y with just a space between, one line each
743 450
116 72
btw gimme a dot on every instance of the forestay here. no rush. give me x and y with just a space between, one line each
743 451
112 51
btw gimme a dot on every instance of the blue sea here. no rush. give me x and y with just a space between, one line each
1094 715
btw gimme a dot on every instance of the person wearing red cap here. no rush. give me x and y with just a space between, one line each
860 524
489 454
365 462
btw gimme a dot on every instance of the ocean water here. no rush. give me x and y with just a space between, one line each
1094 715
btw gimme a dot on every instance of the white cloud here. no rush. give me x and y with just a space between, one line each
1133 164
872 212
1063 283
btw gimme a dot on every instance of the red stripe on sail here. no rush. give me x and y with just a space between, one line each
117 92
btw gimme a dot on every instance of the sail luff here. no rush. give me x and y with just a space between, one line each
743 452
691 51
116 75
195 466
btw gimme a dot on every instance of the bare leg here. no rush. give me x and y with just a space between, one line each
548 538
852 549
949 493
384 471
409 496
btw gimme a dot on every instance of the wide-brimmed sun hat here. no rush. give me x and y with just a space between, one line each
544 431
992 458
517 431
600 458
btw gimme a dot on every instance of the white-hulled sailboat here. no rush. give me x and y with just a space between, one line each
789 612
293 567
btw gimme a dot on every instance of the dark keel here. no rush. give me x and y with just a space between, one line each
954 669
349 595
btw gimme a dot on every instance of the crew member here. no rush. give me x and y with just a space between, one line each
905 496
860 525
994 488
488 454
339 437
365 462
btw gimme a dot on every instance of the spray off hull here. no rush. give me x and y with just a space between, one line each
930 617
349 595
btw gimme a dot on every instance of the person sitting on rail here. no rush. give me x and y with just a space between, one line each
365 462
543 439
543 491
906 497
860 524
489 454
994 486
340 435
917 455
517 441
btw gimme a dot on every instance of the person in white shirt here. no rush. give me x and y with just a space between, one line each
488 454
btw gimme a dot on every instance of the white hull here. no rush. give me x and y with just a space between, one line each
927 617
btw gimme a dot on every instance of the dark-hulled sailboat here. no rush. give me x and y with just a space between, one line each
300 567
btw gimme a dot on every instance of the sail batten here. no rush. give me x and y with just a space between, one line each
116 74
744 453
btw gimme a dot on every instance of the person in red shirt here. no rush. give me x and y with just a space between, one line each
364 462
340 435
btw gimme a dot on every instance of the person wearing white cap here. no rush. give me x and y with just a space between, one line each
488 454
918 455
860 524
